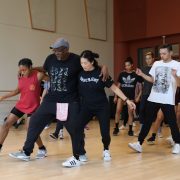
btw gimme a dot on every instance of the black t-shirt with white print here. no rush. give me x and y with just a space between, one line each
128 83
91 87
63 78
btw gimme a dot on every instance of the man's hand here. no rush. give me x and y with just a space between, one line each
139 72
144 76
115 99
104 73
131 105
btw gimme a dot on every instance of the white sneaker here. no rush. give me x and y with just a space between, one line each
71 162
20 155
122 127
83 158
170 141
136 146
176 149
61 136
42 153
106 155
46 127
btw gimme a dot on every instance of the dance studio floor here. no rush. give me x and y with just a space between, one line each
156 162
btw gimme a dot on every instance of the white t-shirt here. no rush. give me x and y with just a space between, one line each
164 86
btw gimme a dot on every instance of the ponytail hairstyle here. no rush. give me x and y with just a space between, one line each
25 62
129 60
91 57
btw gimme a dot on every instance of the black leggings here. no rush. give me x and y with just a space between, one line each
125 114
102 112
43 116
151 113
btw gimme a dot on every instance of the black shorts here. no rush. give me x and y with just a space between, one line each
19 113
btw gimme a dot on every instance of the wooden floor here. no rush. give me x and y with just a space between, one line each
156 162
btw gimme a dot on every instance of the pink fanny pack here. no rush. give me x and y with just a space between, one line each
62 111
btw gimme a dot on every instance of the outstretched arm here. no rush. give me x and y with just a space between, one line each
119 93
144 76
10 94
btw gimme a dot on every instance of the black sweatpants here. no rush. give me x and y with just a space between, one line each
142 108
151 113
59 126
44 115
102 112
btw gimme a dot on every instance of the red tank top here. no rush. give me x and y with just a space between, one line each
30 89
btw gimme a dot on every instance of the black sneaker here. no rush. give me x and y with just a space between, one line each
116 131
131 133
53 135
17 124
151 141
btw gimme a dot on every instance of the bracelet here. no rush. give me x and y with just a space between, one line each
126 99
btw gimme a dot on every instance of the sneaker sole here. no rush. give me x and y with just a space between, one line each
175 153
107 160
131 134
67 166
83 161
134 149
42 157
18 158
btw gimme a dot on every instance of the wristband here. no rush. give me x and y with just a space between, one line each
126 99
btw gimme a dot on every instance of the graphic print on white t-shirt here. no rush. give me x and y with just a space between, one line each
127 81
58 79
164 86
162 79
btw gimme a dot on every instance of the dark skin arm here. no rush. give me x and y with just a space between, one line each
104 72
10 94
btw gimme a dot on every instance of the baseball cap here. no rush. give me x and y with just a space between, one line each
61 42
